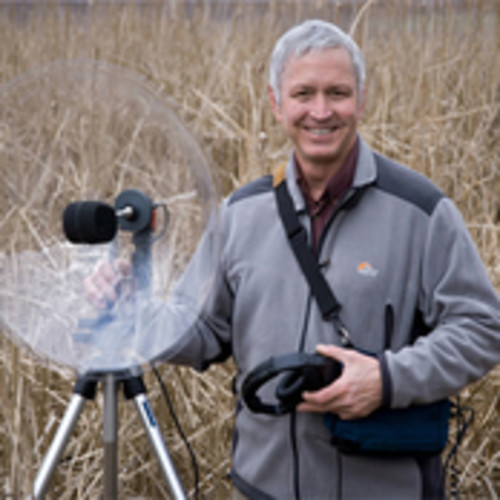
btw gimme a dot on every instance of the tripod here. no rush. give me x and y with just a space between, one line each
85 389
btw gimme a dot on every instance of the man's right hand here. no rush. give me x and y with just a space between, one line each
101 287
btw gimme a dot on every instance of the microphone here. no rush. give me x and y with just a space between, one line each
89 222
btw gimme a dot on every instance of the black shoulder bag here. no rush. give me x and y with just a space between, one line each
415 430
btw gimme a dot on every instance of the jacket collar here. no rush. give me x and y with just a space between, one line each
366 169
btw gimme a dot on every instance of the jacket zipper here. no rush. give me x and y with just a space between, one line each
293 414
351 196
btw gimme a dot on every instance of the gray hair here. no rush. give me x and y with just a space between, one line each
312 35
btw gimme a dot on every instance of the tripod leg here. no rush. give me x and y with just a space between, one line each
156 438
110 436
59 442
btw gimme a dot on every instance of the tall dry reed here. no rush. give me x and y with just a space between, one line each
433 102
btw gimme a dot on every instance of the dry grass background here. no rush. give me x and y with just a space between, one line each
433 102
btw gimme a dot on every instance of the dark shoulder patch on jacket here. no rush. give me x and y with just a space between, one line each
258 186
407 184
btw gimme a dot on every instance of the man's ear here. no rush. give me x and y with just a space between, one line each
274 103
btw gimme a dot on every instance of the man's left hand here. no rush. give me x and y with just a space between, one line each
355 394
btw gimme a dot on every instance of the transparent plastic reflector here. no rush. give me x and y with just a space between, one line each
79 131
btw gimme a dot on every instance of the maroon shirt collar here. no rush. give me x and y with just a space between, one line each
320 210
338 184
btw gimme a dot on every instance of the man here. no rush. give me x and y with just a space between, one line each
391 246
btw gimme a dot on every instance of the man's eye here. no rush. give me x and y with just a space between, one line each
338 93
302 94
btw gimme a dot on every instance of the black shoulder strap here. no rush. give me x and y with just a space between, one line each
297 236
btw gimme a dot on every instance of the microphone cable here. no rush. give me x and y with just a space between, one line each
464 416
178 426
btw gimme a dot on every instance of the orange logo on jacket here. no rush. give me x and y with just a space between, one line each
366 269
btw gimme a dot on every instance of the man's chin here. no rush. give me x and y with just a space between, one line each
322 159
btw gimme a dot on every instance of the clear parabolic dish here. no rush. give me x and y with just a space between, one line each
86 130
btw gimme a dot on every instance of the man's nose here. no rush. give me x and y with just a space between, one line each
321 108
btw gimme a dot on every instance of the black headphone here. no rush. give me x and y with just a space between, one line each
303 372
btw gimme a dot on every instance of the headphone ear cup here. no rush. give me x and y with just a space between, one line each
290 388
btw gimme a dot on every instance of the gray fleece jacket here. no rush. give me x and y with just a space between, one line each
395 247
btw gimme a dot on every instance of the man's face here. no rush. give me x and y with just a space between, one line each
319 108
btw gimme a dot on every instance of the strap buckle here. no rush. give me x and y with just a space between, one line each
343 332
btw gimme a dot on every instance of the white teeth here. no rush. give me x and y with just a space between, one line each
320 131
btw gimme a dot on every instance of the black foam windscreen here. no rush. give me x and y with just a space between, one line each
89 222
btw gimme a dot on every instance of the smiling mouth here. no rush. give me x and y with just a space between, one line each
322 131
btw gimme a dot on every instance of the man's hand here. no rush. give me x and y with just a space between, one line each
355 394
101 287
